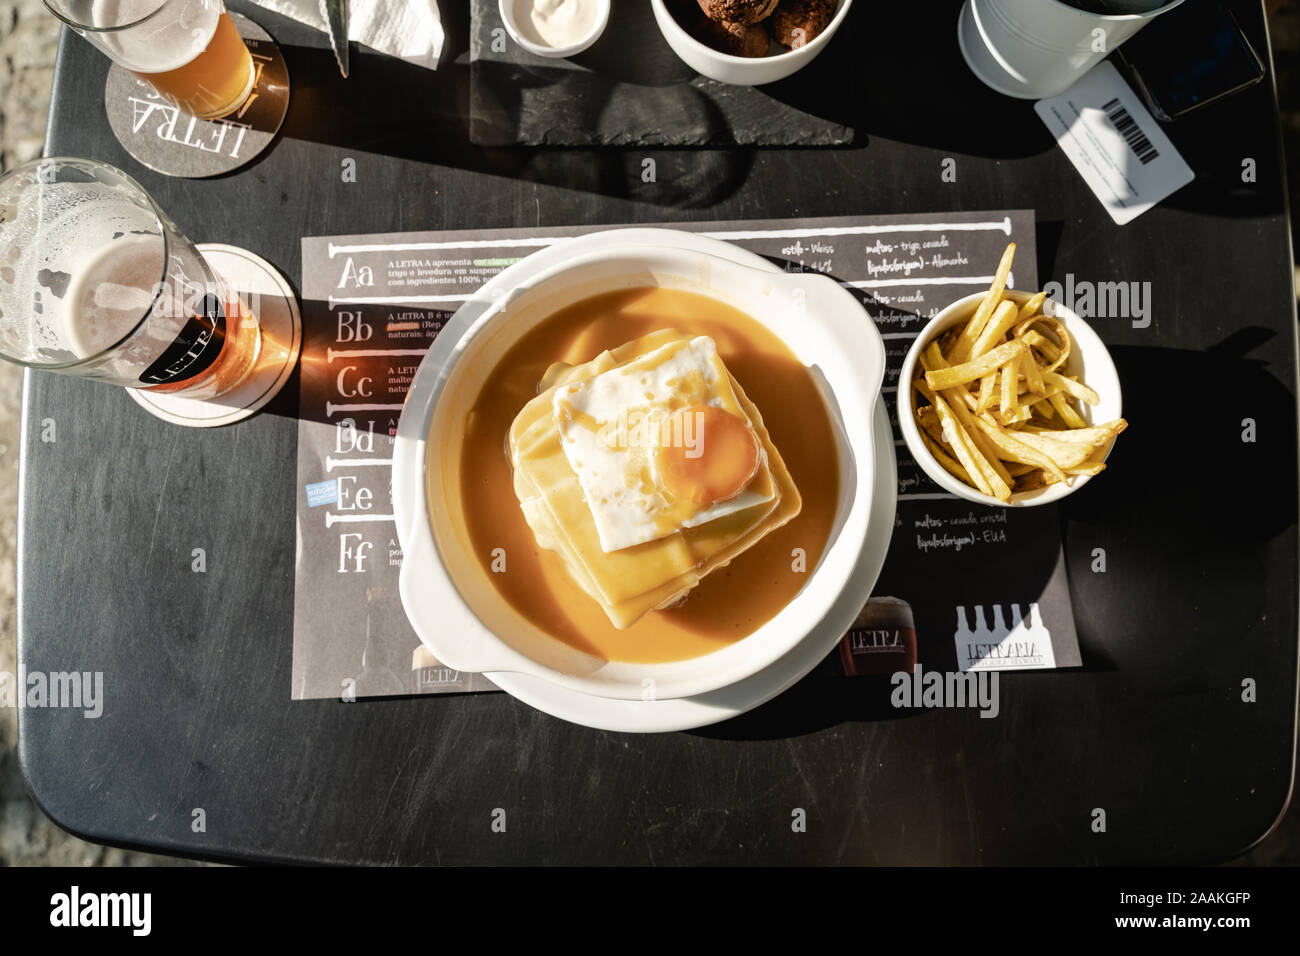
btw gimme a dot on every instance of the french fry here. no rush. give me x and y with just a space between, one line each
1074 389
1032 481
1018 451
928 419
1088 468
1010 380
1021 413
1089 435
948 340
1058 351
932 359
954 375
1067 413
961 349
965 453
1063 454
987 384
1004 317
990 453
1033 306
1033 375
930 424
982 444
1037 340
986 479
949 464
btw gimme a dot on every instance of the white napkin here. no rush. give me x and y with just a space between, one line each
410 29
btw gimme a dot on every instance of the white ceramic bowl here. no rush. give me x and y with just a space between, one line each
1088 359
741 70
451 603
511 21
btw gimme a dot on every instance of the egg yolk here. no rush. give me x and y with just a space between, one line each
707 455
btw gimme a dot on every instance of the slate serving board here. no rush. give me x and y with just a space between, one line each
630 89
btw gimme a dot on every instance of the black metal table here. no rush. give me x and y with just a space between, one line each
1199 527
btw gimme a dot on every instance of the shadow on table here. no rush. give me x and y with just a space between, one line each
606 97
867 79
599 103
877 77
1159 491
392 108
1246 457
1232 491
824 698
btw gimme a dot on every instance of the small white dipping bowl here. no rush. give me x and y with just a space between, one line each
1088 359
445 587
741 70
511 9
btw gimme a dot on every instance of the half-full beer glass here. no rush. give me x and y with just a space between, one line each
96 281
188 50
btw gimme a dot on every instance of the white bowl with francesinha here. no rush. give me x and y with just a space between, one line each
644 473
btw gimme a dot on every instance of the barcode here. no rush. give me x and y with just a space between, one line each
1127 127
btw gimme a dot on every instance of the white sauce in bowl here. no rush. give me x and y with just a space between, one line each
556 23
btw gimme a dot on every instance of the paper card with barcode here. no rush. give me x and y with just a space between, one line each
1115 144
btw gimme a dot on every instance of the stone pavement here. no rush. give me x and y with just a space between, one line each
28 39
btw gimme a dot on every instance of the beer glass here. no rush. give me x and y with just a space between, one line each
188 50
96 281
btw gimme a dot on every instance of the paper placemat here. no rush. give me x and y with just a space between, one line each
371 306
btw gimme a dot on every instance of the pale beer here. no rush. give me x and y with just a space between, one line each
188 50
98 282
214 339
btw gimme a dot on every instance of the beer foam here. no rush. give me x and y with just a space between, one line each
121 298
68 245
164 42
111 292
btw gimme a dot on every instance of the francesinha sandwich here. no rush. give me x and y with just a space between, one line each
646 469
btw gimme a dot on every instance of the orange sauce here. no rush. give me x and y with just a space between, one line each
734 600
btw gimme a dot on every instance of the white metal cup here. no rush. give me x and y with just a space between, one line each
1036 48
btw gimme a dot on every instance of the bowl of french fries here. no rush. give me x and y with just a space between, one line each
1009 398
